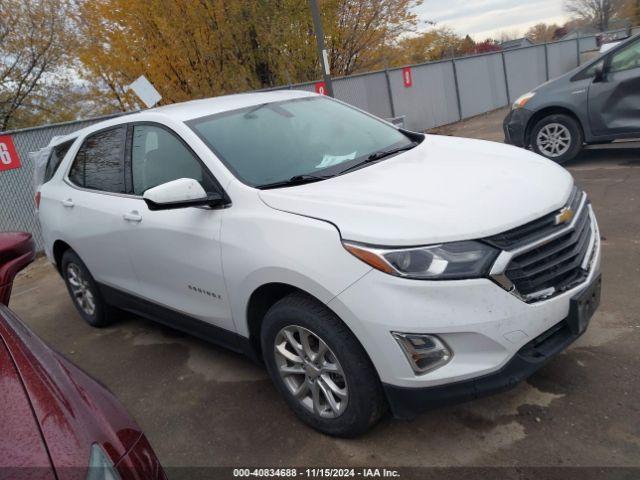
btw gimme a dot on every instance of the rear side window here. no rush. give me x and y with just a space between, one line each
57 154
99 164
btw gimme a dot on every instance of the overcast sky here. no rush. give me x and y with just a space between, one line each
487 18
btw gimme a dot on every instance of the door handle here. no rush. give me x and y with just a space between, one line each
132 216
68 203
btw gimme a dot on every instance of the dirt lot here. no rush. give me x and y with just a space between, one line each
203 406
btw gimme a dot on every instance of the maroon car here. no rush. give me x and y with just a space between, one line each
56 422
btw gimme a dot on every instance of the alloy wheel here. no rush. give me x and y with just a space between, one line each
81 289
311 371
554 140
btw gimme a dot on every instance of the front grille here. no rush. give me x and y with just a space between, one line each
554 266
532 231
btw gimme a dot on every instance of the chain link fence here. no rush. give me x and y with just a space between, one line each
441 92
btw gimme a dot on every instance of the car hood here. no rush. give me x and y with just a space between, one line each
21 445
73 411
445 189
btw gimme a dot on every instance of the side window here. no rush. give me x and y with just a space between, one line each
99 164
57 154
626 59
158 156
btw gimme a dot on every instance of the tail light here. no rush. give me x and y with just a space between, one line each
37 200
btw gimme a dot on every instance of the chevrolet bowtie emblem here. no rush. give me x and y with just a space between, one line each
565 215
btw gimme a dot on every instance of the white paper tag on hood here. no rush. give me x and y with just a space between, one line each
331 160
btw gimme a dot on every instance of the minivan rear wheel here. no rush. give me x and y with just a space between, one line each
557 137
319 367
84 292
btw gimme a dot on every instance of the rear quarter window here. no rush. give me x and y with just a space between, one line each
55 158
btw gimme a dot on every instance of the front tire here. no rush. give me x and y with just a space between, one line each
319 367
84 292
557 137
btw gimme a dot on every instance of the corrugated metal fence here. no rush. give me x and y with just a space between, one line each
442 92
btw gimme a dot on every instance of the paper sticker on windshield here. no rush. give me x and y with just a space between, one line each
331 160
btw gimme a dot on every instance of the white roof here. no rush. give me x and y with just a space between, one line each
208 106
193 109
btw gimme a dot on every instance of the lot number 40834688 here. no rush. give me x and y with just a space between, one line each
8 156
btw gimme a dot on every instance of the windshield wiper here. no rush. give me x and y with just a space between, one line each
379 155
392 151
295 180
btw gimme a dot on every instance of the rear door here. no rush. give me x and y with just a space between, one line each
91 205
614 102
176 254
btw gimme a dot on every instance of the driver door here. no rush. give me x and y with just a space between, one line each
175 254
614 100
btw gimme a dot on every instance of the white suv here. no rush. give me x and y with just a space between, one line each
368 267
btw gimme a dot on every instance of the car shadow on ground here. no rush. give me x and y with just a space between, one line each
604 156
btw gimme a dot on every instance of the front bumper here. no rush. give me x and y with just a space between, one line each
487 327
406 403
515 127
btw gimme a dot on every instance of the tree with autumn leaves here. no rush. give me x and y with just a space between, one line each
200 48
34 46
58 57
66 59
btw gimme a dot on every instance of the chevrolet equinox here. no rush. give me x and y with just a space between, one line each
370 268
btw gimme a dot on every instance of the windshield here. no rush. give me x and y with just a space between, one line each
273 142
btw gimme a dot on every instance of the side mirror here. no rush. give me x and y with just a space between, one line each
17 250
181 193
599 74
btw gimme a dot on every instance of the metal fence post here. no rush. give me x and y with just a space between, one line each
455 81
506 78
390 93
546 61
578 47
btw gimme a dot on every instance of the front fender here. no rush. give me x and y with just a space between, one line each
272 246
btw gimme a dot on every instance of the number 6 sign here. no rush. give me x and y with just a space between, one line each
8 156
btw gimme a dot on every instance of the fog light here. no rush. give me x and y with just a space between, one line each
424 352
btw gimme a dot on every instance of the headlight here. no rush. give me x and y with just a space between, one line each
523 100
455 260
100 465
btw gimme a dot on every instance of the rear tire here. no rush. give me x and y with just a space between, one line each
341 371
84 291
557 137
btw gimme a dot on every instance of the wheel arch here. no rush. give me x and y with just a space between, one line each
260 301
547 111
265 296
58 249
